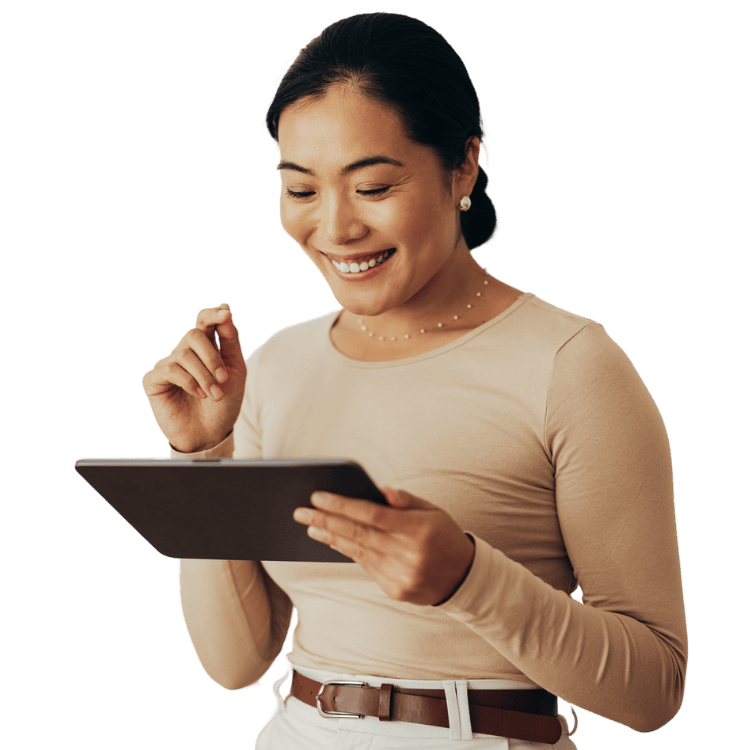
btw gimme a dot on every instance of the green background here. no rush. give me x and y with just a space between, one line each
137 188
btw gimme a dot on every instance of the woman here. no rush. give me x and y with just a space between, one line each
527 453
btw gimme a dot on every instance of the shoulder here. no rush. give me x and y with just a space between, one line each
553 324
583 363
567 345
538 331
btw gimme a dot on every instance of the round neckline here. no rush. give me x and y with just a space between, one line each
365 364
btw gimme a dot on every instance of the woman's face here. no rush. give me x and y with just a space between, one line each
354 188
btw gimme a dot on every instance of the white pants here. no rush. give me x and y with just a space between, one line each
297 725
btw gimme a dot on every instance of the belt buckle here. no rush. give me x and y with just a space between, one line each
338 714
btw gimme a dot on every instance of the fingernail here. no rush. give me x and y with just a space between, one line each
303 515
320 498
221 375
216 392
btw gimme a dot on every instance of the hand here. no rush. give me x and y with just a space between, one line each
412 549
192 409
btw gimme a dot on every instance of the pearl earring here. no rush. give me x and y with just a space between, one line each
465 203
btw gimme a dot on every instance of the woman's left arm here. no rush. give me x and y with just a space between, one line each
623 653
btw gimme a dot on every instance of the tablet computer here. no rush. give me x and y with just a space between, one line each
225 508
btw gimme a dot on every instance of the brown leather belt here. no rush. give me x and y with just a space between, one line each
519 714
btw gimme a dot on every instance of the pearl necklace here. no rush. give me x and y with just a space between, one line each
421 330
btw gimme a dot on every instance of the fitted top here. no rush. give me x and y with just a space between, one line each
536 434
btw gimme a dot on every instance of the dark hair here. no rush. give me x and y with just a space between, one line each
407 65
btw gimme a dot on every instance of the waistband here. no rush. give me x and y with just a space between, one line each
323 676
502 708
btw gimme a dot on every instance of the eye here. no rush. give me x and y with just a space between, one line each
379 191
298 196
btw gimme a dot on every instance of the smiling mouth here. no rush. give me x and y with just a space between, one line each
355 267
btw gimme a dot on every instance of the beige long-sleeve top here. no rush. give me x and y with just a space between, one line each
537 435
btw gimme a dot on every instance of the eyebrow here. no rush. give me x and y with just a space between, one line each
368 161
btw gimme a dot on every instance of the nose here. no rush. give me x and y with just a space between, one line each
339 221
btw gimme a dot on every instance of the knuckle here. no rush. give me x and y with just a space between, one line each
333 502
415 560
148 375
181 353
378 515
358 534
412 585
172 368
424 535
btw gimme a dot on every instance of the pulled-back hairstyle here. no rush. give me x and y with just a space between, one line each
408 66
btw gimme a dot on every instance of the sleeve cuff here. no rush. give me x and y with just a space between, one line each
225 449
474 587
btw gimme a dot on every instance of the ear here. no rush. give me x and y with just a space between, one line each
465 177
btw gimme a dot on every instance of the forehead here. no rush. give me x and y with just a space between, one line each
340 128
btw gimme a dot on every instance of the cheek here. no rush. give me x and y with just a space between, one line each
419 221
292 220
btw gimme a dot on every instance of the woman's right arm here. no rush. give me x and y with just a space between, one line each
237 617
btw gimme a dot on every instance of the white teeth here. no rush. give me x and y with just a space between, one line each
364 265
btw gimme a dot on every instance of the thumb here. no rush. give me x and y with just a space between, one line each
404 499
229 339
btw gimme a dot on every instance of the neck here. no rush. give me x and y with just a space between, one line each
447 293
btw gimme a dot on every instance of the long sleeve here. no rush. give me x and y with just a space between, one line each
236 615
622 653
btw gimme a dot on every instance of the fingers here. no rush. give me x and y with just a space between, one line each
218 320
197 365
416 553
338 525
167 374
209 318
361 511
354 539
202 366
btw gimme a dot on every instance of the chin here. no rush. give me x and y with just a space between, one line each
361 308
355 306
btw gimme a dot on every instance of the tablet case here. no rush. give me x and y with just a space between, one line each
224 508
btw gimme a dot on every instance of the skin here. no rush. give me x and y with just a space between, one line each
196 392
414 550
432 268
